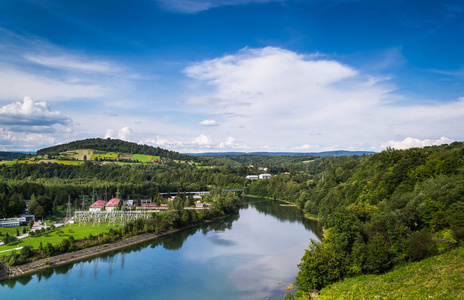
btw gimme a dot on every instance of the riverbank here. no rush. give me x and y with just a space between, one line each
54 261
307 216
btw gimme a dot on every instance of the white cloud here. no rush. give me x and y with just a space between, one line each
208 123
30 113
73 63
109 134
22 141
231 143
16 84
200 144
276 97
124 133
203 140
410 142
194 6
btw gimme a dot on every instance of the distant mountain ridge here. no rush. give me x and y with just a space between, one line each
324 153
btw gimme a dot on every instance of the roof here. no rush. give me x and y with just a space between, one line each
113 202
98 204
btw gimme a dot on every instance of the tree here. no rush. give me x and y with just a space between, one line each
378 255
321 265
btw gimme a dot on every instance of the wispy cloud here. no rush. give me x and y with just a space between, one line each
72 62
15 84
194 6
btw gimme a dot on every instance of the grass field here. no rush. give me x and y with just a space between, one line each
79 154
70 162
55 236
129 163
9 162
108 155
141 158
438 277
10 231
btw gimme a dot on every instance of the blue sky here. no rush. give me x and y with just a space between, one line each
232 75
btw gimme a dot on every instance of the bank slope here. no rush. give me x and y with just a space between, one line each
437 277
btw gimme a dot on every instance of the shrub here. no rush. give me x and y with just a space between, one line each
9 239
26 251
420 245
48 250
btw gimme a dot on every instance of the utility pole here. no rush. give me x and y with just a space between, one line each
68 209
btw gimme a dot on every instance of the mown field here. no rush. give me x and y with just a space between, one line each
438 277
56 235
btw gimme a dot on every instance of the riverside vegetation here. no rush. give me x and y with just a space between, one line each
34 248
379 211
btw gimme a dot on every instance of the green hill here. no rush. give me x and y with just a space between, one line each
113 145
438 277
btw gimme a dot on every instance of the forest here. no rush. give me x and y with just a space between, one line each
378 211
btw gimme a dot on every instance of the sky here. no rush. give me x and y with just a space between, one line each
232 75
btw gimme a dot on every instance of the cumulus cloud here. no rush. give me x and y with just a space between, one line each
230 143
199 144
279 98
410 142
194 6
109 134
31 113
208 123
123 134
203 140
23 141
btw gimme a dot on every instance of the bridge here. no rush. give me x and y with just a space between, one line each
203 192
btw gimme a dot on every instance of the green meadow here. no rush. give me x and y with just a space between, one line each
56 235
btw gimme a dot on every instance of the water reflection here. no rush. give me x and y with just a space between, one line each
282 212
243 256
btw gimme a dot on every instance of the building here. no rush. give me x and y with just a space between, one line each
200 205
252 177
12 222
130 202
265 176
97 206
112 204
28 217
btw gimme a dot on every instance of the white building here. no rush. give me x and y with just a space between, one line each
12 222
265 176
252 177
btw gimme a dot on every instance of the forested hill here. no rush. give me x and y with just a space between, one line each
11 155
379 210
114 145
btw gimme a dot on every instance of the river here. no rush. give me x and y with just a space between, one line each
250 255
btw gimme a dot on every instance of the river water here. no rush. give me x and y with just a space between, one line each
251 255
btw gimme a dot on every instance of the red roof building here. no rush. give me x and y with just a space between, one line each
97 206
112 204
